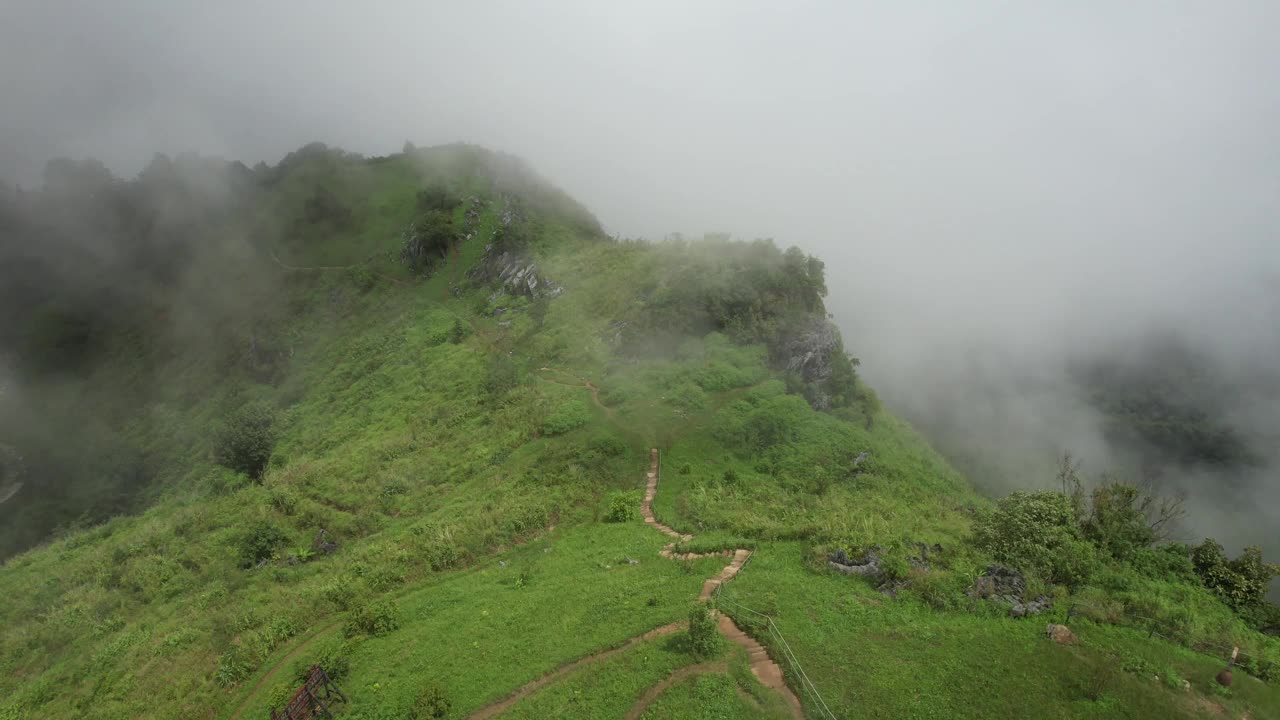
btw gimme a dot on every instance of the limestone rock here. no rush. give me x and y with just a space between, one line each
517 274
808 352
867 566
999 582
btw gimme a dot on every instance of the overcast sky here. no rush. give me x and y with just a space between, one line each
932 145
1042 175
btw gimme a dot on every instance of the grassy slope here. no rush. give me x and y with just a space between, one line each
411 452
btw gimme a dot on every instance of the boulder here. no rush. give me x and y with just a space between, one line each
1034 607
867 566
1001 583
517 274
1061 634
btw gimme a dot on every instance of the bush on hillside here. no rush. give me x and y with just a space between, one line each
606 446
622 508
431 703
1038 532
428 239
765 429
566 416
373 618
687 396
704 634
233 666
1241 583
334 659
1165 562
245 439
1117 524
502 376
458 332
259 543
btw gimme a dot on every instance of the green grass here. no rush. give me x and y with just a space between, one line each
483 632
711 697
440 465
874 657
487 632
607 689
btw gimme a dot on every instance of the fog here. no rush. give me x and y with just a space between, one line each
998 189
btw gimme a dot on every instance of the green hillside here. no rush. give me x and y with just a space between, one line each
445 365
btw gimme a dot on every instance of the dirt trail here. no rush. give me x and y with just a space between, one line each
534 685
683 673
765 669
768 672
279 666
595 391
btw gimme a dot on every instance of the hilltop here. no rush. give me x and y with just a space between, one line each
418 419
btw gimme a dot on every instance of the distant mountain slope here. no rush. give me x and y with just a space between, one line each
394 415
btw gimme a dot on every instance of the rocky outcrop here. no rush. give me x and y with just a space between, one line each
1005 584
866 566
516 273
999 582
1035 607
808 352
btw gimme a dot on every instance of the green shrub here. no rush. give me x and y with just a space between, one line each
687 396
458 331
1171 678
936 588
765 429
1242 582
259 543
566 416
244 440
338 593
334 659
362 278
431 703
1167 562
1117 524
704 634
1135 664
502 376
622 508
607 446
375 618
443 553
1038 532
233 667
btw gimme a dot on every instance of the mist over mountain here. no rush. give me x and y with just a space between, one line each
1020 208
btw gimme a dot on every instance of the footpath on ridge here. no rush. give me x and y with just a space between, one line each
768 672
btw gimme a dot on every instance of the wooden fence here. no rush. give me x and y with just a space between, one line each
312 700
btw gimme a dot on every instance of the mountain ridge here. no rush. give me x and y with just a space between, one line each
357 348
